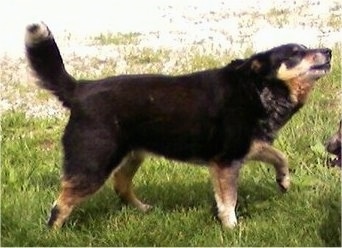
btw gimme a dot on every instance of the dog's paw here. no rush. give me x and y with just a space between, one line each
145 208
283 183
228 220
36 32
229 223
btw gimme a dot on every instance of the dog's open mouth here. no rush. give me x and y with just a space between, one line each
321 67
317 71
336 161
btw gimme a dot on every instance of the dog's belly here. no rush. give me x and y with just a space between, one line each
184 146
199 143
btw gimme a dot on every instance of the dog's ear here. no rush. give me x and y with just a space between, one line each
260 65
236 63
256 65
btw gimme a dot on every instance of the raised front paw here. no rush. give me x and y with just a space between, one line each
284 183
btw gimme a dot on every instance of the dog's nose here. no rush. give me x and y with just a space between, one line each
327 52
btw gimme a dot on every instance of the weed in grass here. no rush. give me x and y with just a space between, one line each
117 39
146 56
202 62
335 21
278 16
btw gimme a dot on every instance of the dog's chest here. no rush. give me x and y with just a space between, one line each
279 109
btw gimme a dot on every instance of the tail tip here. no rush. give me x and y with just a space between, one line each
36 33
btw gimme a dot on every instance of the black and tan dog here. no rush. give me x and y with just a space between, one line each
333 146
220 117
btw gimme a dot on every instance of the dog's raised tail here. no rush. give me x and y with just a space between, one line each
46 61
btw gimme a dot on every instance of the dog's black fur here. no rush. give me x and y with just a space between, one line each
333 146
211 116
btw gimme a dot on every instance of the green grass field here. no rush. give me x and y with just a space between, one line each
308 215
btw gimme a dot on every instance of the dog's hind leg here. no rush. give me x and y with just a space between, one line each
72 193
90 157
74 190
224 178
264 152
122 180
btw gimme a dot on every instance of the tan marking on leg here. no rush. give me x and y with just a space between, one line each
122 179
65 203
224 179
264 152
73 192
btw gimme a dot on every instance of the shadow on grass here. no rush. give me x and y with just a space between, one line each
330 230
170 197
167 197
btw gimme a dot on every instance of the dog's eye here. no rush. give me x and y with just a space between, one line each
294 53
297 53
293 60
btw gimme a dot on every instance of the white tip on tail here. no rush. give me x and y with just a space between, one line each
36 32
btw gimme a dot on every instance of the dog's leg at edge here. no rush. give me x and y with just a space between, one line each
224 179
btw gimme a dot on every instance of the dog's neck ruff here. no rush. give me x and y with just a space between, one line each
278 107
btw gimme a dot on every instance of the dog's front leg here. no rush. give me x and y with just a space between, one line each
264 152
224 178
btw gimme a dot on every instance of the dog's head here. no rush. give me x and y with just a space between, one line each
292 61
333 146
295 65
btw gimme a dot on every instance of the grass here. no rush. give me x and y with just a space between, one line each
335 21
117 39
308 215
147 56
278 16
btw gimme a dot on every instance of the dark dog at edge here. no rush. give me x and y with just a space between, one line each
219 117
333 146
